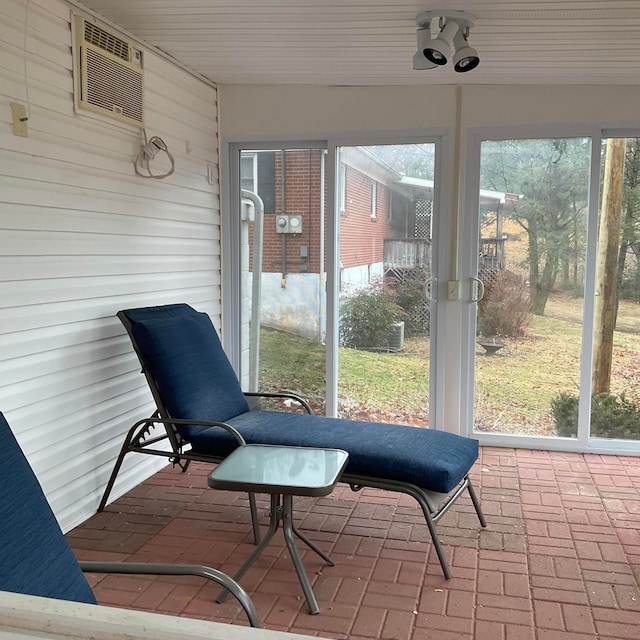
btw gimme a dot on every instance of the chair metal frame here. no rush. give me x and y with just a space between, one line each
42 512
167 569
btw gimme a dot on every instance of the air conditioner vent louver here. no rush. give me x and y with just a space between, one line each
106 41
113 87
111 78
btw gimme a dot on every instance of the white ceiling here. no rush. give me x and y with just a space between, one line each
371 42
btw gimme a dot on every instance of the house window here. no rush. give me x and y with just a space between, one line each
343 187
248 172
374 199
257 174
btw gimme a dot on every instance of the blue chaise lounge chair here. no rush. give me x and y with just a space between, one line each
37 559
191 379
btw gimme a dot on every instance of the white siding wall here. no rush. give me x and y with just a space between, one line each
81 236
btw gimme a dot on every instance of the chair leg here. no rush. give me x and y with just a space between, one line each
437 545
116 469
431 524
476 504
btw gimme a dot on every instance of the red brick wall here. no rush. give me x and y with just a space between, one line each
301 197
361 235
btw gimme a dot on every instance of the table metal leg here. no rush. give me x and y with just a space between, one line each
282 509
274 521
311 545
287 527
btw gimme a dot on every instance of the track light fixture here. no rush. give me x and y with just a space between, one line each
454 33
420 61
465 58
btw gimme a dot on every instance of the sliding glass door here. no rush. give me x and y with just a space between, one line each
337 302
280 226
532 217
556 326
387 234
615 375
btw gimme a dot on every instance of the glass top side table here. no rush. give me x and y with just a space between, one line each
282 472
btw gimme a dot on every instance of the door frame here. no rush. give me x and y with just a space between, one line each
230 235
475 137
442 228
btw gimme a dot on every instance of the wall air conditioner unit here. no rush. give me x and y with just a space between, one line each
110 78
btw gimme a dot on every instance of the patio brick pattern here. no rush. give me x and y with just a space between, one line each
560 559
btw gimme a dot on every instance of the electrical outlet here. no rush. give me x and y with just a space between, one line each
453 290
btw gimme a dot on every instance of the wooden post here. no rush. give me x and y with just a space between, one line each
608 241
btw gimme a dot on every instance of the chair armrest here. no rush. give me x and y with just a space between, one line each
199 423
157 569
292 396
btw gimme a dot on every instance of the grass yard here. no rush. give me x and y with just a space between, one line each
514 387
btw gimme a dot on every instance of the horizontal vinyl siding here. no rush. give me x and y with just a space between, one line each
82 236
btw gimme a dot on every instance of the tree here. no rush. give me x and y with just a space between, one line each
628 283
606 266
414 160
553 178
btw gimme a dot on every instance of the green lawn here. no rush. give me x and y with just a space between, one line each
514 387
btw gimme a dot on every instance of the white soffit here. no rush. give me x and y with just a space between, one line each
371 42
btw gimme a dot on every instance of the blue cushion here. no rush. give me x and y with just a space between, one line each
163 311
196 382
185 357
36 558
434 460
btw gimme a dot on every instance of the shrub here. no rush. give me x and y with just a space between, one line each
611 416
564 407
411 298
366 317
504 307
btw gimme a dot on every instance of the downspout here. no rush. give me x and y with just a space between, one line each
322 287
256 289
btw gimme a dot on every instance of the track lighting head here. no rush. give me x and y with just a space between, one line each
439 49
454 33
466 57
420 61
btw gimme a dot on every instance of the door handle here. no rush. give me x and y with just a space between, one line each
477 289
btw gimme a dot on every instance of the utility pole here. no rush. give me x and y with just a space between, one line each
608 240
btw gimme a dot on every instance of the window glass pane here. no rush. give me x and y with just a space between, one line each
385 267
615 402
247 171
531 260
282 258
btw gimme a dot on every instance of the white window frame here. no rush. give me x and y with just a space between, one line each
470 221
374 200
230 221
342 186
254 177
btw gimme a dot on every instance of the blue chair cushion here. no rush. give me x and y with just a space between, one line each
192 372
196 381
433 460
36 558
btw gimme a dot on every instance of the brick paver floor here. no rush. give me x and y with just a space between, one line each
560 559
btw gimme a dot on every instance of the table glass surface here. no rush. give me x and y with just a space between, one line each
295 468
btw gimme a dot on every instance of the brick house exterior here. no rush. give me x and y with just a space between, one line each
373 208
366 218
